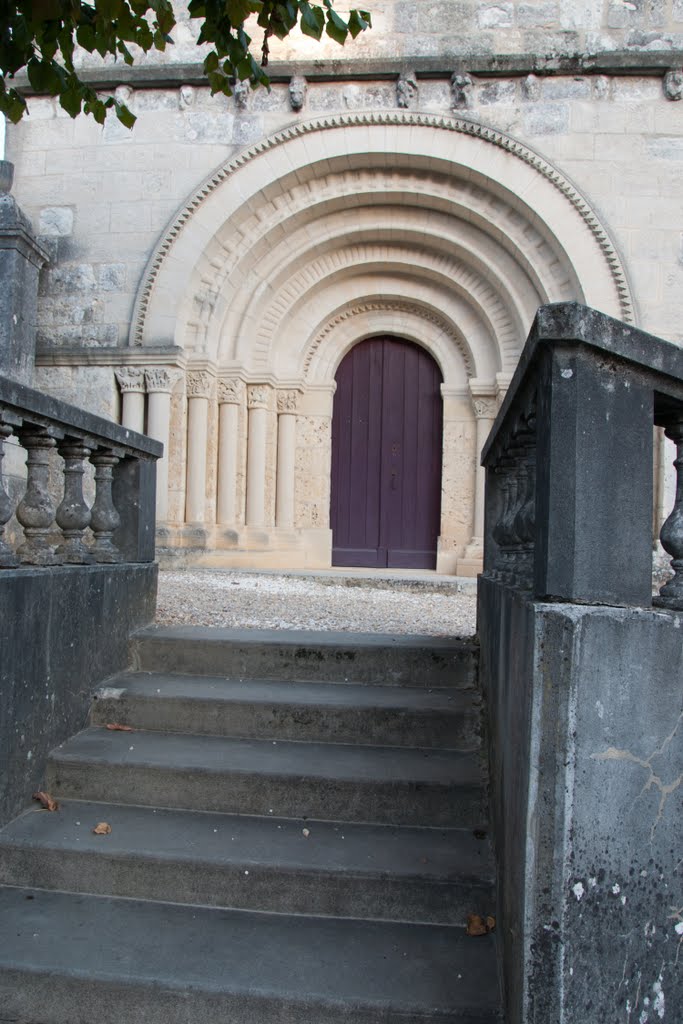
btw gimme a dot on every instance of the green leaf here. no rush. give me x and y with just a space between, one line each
357 23
43 76
125 116
71 101
336 28
312 20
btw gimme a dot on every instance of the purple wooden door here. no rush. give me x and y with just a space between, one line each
386 457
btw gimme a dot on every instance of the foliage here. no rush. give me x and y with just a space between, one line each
41 36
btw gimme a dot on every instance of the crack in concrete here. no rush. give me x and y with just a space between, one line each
665 789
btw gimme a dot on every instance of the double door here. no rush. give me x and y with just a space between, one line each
386 456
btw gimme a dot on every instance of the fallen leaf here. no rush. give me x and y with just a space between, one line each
477 925
46 800
117 727
103 829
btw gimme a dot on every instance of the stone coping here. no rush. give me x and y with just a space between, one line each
27 403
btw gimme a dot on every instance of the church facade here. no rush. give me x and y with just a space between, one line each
316 296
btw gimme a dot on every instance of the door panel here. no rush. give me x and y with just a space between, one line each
386 456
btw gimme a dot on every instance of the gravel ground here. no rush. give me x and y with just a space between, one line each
239 600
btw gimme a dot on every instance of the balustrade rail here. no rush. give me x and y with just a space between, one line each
569 462
118 527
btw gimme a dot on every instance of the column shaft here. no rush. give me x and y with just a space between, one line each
227 463
197 437
133 412
286 453
158 427
256 466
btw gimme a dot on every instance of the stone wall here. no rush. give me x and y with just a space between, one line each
586 714
66 631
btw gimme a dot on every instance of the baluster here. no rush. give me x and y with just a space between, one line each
7 557
104 518
498 532
73 515
671 535
36 510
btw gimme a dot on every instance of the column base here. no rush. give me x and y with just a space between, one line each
243 547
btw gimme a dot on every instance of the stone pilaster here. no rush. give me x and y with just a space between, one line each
131 381
20 261
257 429
159 382
287 404
198 384
230 399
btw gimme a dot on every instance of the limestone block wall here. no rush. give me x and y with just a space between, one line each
514 153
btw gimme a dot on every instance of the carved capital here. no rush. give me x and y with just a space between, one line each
159 379
257 396
287 401
131 378
230 391
485 408
198 384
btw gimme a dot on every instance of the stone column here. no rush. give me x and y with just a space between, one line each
257 429
131 380
485 409
230 398
198 383
159 382
287 402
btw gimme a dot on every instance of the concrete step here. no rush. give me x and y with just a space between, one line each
386 785
344 870
254 708
77 959
416 661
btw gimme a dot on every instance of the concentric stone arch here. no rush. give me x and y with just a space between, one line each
471 148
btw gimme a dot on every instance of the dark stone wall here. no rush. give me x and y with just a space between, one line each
587 769
63 631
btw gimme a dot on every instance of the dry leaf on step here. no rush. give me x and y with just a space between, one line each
103 829
117 727
477 925
46 801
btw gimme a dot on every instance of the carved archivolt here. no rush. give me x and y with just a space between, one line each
394 307
459 125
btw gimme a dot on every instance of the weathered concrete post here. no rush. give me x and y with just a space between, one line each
20 261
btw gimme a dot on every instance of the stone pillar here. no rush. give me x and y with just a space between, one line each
131 380
485 409
287 402
230 398
159 382
257 430
198 384
20 261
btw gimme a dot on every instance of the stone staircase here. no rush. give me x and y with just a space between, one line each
298 833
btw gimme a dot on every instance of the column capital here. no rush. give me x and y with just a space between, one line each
230 391
288 400
131 378
198 383
158 378
257 396
485 407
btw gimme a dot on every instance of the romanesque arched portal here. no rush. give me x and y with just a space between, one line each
436 230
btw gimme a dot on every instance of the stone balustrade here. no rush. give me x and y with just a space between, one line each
59 526
569 463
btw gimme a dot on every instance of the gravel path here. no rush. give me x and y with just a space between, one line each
239 600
